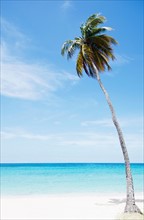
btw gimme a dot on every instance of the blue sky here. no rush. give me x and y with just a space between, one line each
48 114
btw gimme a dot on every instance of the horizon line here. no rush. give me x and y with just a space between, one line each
40 163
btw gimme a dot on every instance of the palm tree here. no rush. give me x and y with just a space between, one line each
95 51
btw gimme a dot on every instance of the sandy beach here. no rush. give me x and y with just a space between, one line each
66 206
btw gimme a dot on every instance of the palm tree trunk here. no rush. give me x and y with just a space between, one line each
130 200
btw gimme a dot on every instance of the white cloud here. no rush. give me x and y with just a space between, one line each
23 79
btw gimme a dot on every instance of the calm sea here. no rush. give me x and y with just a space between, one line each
57 178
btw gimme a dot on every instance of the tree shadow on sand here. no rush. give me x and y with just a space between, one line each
120 201
116 202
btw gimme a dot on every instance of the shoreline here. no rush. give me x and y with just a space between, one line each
87 206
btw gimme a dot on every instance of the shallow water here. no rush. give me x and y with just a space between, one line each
25 179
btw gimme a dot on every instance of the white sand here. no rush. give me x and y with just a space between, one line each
88 206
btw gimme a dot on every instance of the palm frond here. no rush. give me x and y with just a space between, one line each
99 63
91 72
71 50
94 45
109 39
96 31
90 19
87 53
79 64
70 47
102 44
65 46
104 60
94 20
86 69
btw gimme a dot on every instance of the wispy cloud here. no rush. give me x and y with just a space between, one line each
23 79
66 5
23 135
79 139
122 59
104 122
68 146
15 37
108 122
62 139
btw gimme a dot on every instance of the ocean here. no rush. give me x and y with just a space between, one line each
60 178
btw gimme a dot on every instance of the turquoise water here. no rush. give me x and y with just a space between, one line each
26 179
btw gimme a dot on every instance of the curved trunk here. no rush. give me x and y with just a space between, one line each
130 201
